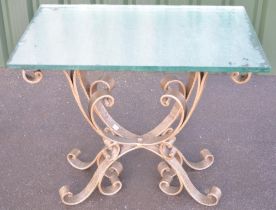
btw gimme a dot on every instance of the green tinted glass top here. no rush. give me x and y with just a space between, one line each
140 38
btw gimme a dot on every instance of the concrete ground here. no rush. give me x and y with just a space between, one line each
40 124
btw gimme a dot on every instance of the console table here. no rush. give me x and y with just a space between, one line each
198 40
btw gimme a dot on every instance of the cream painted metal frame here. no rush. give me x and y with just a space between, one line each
118 141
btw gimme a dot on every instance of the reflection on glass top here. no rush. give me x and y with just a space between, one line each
140 38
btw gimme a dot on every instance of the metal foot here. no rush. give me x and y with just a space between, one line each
211 199
107 167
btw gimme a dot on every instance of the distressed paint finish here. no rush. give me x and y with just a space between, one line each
15 16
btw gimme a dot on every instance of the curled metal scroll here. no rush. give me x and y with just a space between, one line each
241 78
168 174
109 167
206 162
100 98
32 77
112 174
180 111
73 158
69 198
174 167
97 99
105 97
213 196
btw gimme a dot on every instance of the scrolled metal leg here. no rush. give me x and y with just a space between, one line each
119 141
168 174
113 175
170 167
69 198
73 159
213 196
32 78
108 164
206 162
169 151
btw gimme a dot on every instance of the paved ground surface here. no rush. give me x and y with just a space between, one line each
40 123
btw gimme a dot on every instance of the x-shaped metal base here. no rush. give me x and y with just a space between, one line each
109 167
119 141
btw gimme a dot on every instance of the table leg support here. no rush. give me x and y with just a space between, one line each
107 167
172 167
119 141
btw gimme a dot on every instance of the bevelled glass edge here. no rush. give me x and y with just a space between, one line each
24 34
265 69
257 40
136 5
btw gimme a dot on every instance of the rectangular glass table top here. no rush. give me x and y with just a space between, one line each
140 38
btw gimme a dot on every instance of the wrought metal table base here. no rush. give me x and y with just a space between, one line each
109 167
118 141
